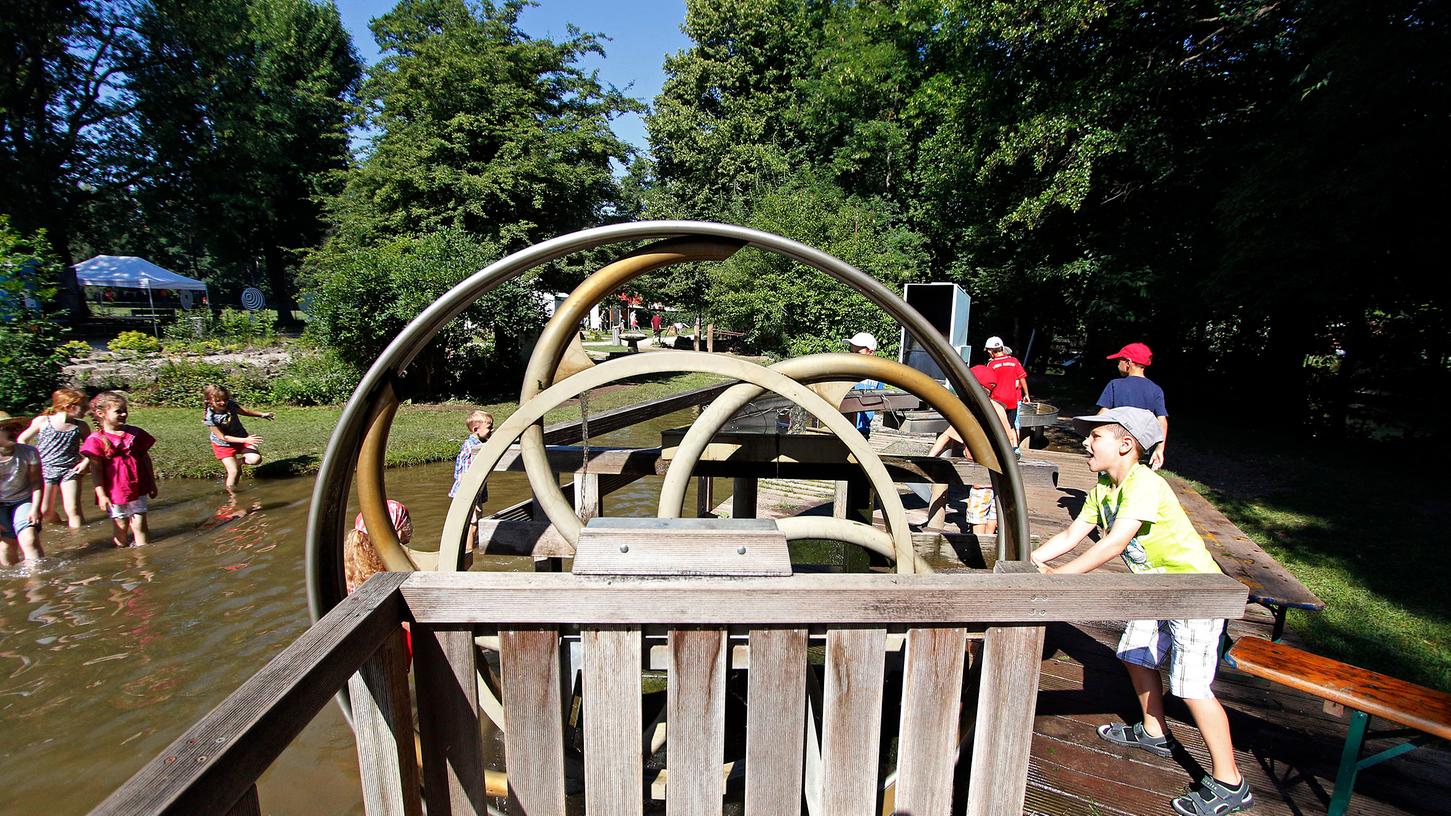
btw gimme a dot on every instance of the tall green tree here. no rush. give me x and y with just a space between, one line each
63 112
243 105
481 128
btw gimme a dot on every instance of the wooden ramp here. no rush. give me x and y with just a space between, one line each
1288 745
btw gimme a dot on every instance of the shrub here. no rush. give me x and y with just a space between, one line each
179 384
134 341
30 364
315 379
73 349
191 346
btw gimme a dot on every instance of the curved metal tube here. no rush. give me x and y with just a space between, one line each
796 528
327 518
372 497
484 459
809 369
549 350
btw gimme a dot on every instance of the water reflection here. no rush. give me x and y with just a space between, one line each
106 655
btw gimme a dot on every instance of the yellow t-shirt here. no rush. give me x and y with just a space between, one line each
1167 541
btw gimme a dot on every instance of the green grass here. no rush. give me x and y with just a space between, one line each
1360 528
294 442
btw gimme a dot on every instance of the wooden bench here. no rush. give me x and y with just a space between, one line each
1367 693
1270 584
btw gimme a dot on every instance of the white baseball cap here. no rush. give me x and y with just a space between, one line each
863 340
1141 424
993 342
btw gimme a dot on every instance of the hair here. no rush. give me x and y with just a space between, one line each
104 400
213 390
478 416
360 559
62 399
1120 432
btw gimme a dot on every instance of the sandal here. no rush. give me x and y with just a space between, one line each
1135 737
1212 798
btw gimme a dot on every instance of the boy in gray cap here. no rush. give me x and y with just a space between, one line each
1142 521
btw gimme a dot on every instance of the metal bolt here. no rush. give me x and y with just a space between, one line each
624 548
740 550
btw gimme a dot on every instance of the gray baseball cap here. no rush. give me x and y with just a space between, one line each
1142 425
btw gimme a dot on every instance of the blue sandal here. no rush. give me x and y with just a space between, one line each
1136 737
1213 798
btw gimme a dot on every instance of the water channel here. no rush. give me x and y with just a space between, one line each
107 655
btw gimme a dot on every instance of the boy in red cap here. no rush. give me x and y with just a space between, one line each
1134 390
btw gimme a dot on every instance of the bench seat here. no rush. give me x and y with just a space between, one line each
1367 693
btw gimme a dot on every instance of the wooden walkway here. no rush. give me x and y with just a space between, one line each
1288 746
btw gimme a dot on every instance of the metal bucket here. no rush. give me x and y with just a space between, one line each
1036 414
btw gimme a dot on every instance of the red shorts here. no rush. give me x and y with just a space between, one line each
231 449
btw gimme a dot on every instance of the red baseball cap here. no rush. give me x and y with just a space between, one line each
985 376
1136 353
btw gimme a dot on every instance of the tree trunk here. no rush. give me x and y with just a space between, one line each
277 278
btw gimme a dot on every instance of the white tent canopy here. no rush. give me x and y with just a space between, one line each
132 272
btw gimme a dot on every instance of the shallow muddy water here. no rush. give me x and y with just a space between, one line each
107 655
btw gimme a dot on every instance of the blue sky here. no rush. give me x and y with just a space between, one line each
641 33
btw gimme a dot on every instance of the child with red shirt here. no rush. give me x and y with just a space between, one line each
122 467
1010 379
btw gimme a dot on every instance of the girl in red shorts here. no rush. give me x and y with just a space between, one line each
230 441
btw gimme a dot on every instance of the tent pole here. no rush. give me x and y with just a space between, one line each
150 301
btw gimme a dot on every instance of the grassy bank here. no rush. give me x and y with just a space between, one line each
295 440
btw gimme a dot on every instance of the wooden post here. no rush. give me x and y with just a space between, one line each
938 503
697 333
838 501
588 502
448 719
530 662
743 497
710 337
383 724
704 496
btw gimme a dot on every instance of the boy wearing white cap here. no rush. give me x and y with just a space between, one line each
1143 522
864 343
1011 378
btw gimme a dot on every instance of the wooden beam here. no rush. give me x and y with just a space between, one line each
383 726
775 722
696 701
448 719
564 433
213 764
502 598
611 710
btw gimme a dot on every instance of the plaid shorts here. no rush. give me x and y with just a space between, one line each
1191 645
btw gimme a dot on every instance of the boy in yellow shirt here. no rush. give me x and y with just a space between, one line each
1142 521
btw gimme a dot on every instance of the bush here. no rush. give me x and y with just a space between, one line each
73 349
315 379
134 341
179 385
30 364
191 346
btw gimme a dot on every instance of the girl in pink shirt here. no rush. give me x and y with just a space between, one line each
122 468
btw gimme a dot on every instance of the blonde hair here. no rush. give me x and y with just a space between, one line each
62 399
212 390
104 400
361 560
476 417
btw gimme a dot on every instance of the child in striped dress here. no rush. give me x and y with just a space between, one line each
57 434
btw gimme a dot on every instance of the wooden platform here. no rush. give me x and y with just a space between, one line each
1288 746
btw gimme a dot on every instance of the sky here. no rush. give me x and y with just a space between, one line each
640 32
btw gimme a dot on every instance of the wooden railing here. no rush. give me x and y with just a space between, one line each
213 767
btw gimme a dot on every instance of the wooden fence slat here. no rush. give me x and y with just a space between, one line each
851 724
1003 736
448 719
614 770
383 726
530 662
695 698
803 600
931 697
775 722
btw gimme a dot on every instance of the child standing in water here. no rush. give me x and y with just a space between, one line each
229 439
124 477
57 434
481 427
20 487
